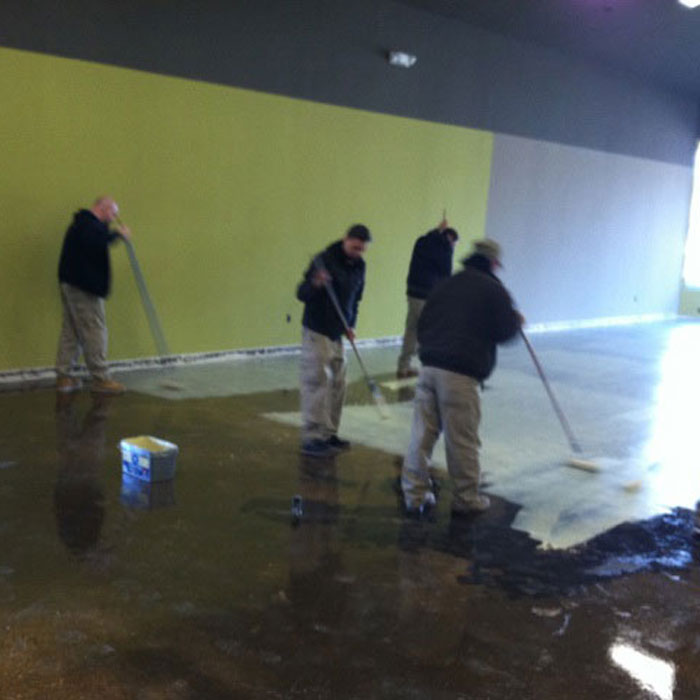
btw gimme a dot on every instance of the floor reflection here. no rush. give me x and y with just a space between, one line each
316 589
78 494
231 594
651 673
671 452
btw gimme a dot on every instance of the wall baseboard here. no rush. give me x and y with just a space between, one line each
41 377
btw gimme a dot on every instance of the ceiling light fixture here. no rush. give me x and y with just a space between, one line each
403 59
690 3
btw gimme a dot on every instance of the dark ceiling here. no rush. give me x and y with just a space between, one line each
656 39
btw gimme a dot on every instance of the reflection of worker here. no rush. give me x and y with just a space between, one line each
78 497
84 276
342 269
464 319
316 591
431 262
430 590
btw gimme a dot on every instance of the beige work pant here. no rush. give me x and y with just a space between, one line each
322 375
410 334
445 402
84 328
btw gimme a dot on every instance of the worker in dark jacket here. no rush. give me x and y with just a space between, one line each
337 271
431 262
464 319
84 279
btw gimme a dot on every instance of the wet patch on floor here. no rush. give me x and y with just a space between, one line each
501 556
212 587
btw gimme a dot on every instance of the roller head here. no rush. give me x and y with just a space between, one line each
583 464
171 386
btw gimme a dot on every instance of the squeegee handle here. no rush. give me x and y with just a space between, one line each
573 442
149 308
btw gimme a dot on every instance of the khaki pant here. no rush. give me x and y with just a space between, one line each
84 328
322 378
410 334
445 402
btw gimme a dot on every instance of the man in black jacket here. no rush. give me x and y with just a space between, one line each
431 262
84 278
339 270
464 319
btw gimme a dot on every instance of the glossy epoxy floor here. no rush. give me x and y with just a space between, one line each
206 587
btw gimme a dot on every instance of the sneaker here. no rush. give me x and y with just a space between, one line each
67 384
338 443
107 386
435 486
406 373
317 448
425 511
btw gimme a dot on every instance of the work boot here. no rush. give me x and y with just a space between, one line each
338 444
473 507
107 386
406 373
317 448
65 385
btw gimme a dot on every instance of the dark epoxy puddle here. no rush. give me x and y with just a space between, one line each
495 554
510 559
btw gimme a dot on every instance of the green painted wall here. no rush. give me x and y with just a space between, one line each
228 193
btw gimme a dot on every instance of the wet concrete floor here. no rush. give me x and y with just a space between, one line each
209 587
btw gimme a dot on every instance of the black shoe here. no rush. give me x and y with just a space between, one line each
337 443
317 448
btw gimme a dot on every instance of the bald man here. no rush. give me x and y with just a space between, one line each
84 278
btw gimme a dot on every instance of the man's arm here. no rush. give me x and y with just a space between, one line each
120 230
313 282
506 320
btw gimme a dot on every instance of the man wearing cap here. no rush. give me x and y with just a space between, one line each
337 273
431 262
464 319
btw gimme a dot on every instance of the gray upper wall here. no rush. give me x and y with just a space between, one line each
333 51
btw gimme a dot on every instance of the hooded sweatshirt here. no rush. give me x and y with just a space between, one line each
348 282
84 261
431 262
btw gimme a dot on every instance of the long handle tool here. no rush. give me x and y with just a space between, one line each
153 320
379 399
148 307
576 462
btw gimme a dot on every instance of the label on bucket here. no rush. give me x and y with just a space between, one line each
148 458
136 463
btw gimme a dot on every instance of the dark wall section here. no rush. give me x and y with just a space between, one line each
333 51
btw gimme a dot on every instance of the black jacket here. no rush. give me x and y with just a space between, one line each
431 262
464 319
348 281
84 259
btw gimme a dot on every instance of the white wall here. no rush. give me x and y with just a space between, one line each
587 234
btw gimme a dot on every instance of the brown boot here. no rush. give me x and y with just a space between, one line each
107 386
406 373
65 385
